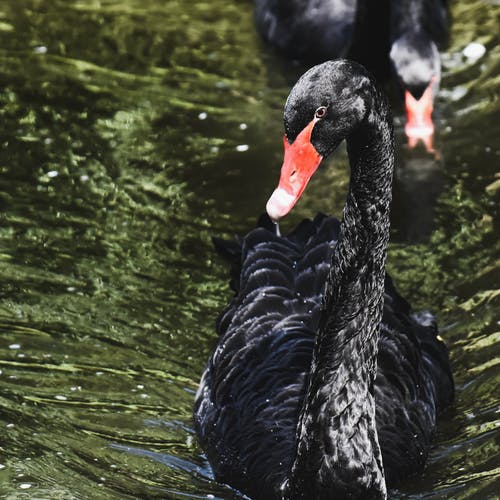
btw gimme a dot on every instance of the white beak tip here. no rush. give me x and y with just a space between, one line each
279 204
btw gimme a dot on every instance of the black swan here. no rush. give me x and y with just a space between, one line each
405 32
323 383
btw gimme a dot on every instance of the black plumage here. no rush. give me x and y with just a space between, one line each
323 383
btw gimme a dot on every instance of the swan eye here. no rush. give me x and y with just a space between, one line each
321 112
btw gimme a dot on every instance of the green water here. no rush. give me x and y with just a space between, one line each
131 132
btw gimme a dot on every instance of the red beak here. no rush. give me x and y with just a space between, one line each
419 114
300 162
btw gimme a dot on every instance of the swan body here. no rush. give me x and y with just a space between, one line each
323 383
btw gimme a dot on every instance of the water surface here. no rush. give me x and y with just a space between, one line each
131 132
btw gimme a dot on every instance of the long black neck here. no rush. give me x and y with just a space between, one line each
406 16
338 455
409 16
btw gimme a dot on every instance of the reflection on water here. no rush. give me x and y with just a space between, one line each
131 133
418 182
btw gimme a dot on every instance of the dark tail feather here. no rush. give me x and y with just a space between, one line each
229 249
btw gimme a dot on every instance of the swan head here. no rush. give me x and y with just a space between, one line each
416 62
324 107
